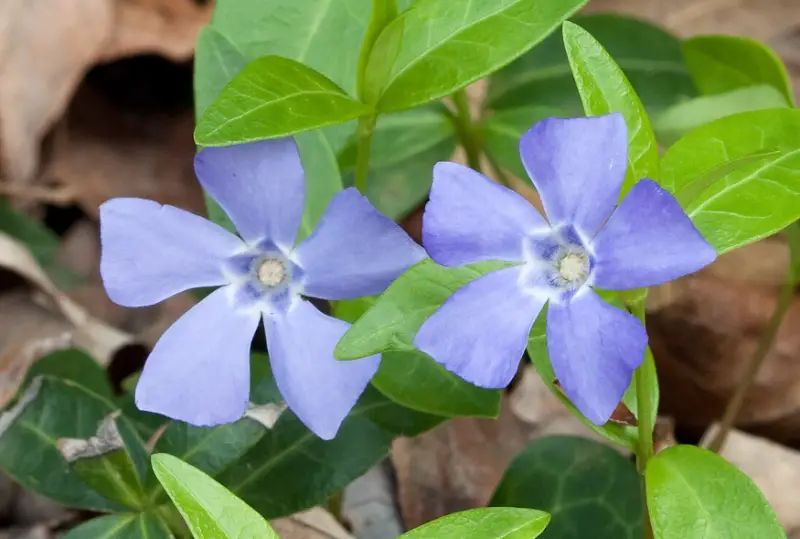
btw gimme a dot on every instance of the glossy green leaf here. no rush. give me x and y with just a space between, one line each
122 526
604 89
482 523
720 64
393 321
72 364
35 236
684 117
693 493
650 58
589 489
274 97
210 510
752 201
383 12
216 62
537 350
503 129
51 409
440 46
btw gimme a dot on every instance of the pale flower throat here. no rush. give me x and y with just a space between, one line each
573 267
271 272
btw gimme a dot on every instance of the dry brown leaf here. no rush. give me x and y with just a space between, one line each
316 523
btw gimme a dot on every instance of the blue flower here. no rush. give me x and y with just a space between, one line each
199 370
578 166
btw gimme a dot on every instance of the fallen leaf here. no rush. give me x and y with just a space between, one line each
316 523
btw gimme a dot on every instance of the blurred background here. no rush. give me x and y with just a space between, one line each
96 102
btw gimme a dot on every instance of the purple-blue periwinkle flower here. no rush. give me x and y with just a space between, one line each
578 166
199 371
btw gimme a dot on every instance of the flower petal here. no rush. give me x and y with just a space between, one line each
471 218
649 240
318 389
594 349
199 371
481 331
260 185
355 251
578 166
151 252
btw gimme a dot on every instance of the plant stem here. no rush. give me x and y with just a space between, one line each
498 171
644 450
734 407
466 130
366 125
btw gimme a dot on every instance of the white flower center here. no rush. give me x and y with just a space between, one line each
573 267
271 272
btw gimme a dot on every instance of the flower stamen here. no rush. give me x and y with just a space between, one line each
271 272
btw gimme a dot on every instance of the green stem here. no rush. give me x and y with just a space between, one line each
644 449
466 130
498 171
734 407
366 125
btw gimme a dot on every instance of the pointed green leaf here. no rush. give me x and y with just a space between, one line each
216 62
274 97
72 364
693 493
720 64
209 509
589 489
605 89
440 46
494 522
122 526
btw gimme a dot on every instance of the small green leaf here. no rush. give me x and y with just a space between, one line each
537 350
323 179
589 489
440 46
650 58
604 89
122 526
216 62
503 129
693 493
482 523
383 12
679 119
274 97
393 321
210 510
749 202
75 365
37 238
720 64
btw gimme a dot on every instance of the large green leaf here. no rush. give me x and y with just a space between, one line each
679 119
604 89
722 63
649 57
216 62
693 493
749 202
122 526
274 97
482 523
210 510
51 409
72 364
440 46
589 489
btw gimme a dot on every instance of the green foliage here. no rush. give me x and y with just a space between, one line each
589 489
208 508
604 89
720 64
37 238
122 526
274 97
441 46
695 494
749 202
494 522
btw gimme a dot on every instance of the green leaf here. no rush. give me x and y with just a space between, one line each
323 179
604 89
440 46
122 526
75 365
720 64
37 238
216 62
51 409
210 510
693 493
678 120
393 321
650 58
383 12
589 489
494 522
274 97
537 350
752 201
503 129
